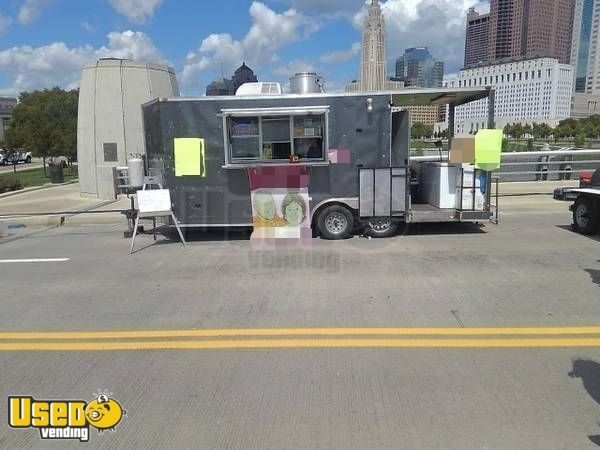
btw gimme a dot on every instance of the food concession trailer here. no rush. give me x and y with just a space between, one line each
354 150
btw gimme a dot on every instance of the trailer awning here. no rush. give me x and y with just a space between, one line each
410 97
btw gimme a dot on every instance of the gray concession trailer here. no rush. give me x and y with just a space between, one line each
355 148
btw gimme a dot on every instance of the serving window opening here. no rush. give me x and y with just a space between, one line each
275 137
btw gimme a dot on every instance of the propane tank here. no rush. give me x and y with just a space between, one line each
135 167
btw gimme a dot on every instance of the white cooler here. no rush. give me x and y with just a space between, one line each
439 183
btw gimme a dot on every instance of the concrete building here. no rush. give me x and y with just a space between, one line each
527 90
373 75
109 126
7 105
418 68
477 37
584 105
529 28
425 114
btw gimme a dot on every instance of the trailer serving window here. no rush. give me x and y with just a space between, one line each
275 135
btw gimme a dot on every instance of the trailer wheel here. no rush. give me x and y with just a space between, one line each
381 227
335 222
585 218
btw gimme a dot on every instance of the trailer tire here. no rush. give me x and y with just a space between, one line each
585 217
381 227
335 222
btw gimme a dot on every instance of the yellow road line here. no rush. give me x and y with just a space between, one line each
504 331
303 343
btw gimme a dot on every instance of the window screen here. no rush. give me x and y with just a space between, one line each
277 143
244 138
308 137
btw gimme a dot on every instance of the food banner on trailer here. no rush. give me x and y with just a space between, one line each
280 205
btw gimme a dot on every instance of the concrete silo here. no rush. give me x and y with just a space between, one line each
109 126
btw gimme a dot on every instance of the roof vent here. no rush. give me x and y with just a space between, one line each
260 88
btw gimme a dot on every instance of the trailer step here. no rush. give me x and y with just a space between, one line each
429 213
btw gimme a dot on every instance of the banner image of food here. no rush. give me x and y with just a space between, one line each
280 205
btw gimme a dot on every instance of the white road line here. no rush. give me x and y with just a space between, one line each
48 260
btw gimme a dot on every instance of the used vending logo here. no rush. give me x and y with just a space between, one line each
65 419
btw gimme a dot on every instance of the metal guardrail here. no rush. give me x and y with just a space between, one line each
550 165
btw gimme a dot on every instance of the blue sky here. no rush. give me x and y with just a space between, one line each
44 43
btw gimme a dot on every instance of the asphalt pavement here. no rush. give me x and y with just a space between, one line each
447 336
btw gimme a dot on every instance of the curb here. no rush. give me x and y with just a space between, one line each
35 188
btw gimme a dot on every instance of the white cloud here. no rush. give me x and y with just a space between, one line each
137 11
330 8
131 45
58 65
31 10
342 55
437 24
4 24
294 67
270 31
88 26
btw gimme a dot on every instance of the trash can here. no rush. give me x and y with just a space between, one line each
56 174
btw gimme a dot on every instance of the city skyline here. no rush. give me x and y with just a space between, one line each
44 44
516 28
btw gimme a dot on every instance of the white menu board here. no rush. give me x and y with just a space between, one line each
158 200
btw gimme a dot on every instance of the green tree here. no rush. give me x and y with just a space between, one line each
45 123
517 130
419 130
544 130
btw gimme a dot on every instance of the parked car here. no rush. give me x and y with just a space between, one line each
19 156
3 158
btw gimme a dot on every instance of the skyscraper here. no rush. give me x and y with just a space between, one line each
226 86
418 68
522 28
547 28
476 37
220 86
503 27
243 74
373 63
584 57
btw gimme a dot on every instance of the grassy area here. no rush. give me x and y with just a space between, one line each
34 177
